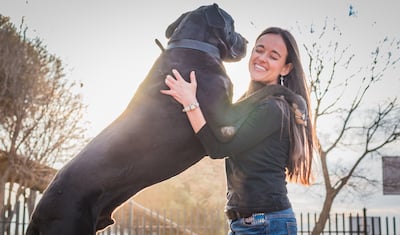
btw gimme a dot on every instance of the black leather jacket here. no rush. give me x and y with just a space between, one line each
255 160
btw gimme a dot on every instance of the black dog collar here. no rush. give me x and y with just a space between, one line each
197 45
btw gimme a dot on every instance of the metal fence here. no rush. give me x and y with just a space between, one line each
350 224
138 220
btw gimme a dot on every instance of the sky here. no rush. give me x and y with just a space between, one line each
109 46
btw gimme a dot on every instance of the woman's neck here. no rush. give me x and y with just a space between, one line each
254 86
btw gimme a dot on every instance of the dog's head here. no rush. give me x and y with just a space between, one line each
211 25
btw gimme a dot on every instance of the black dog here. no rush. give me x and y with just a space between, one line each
152 139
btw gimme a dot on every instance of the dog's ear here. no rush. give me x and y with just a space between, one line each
214 16
171 28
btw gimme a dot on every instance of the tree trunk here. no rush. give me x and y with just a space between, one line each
324 215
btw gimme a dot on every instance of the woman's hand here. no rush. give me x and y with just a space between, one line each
185 93
182 91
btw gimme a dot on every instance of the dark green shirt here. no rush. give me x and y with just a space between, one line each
255 160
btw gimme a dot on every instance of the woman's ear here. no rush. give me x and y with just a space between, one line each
286 69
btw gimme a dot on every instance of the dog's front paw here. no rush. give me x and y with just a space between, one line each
228 131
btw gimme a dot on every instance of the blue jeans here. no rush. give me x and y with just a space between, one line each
275 223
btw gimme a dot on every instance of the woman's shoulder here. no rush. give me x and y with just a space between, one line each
270 107
272 102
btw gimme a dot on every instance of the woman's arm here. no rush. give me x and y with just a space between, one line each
265 119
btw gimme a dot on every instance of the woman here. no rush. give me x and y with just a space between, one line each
269 148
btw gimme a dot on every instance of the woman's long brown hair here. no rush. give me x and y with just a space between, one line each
301 136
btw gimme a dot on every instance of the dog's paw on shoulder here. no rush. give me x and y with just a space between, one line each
228 132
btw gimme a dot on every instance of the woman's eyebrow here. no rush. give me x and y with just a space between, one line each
276 52
273 51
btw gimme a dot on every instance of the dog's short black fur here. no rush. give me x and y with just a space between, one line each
152 139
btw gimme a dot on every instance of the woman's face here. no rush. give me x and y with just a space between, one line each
267 60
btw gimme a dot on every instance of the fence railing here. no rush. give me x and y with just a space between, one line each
138 220
349 224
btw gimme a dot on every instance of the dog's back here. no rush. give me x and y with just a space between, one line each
152 139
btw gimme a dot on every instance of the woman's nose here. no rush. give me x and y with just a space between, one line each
263 57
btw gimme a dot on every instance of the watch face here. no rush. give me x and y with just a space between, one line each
190 107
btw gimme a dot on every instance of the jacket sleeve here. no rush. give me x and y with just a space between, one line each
264 120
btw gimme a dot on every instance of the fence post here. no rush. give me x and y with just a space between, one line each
301 223
344 223
394 225
130 218
329 224
336 223
350 223
365 220
24 214
16 211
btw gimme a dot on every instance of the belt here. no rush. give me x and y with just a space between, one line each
234 215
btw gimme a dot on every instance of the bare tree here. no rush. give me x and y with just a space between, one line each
342 91
41 115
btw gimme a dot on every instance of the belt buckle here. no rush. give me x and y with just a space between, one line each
259 217
255 219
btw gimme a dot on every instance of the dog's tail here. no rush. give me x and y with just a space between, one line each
159 45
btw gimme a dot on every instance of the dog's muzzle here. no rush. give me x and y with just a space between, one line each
237 46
